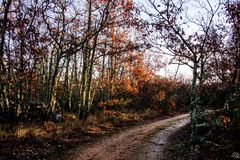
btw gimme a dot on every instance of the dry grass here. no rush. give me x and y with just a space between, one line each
48 129
4 134
148 113
105 120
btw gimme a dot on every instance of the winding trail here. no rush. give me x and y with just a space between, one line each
144 142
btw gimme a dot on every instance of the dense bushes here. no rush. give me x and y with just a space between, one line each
159 94
165 94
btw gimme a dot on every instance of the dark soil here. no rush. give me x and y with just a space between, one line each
226 146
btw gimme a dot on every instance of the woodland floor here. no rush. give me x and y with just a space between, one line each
55 146
157 139
227 148
143 142
115 140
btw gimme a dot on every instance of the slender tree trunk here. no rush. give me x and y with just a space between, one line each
21 78
86 56
49 79
88 96
52 92
83 85
4 101
102 93
66 86
194 106
75 100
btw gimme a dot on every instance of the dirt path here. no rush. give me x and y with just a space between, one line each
139 143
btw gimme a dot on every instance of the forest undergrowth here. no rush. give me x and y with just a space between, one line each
47 139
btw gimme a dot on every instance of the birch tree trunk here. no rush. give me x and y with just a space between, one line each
4 101
194 105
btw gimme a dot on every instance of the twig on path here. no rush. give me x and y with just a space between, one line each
157 144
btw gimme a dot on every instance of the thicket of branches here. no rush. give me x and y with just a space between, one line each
74 56
211 51
81 56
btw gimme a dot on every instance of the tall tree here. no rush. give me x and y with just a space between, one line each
5 7
170 37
